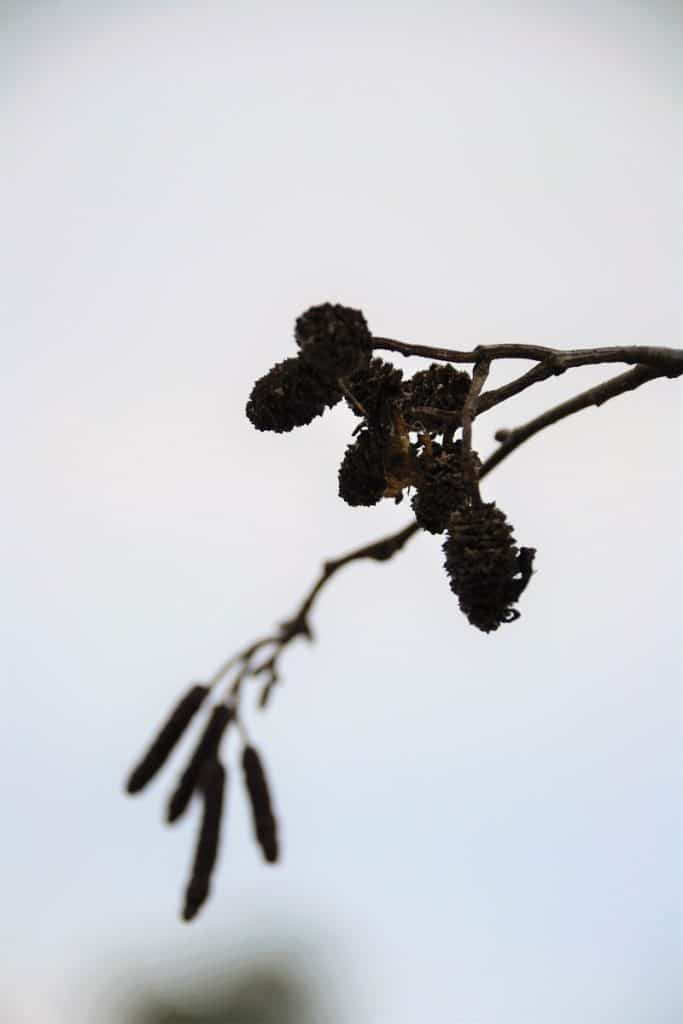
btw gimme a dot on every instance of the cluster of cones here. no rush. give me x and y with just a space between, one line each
404 442
205 776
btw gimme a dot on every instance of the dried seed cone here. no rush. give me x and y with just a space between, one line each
265 826
441 486
169 734
441 386
486 571
213 791
362 477
290 395
334 339
376 388
205 751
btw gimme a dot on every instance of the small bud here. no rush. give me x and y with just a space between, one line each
213 790
290 395
362 477
265 826
487 573
165 741
334 339
205 751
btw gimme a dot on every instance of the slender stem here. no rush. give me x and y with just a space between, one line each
379 550
511 439
469 411
549 368
350 397
670 359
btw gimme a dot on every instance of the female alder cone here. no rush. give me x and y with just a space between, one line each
362 479
487 573
441 486
376 388
290 395
335 340
439 387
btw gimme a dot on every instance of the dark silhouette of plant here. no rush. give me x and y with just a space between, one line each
404 442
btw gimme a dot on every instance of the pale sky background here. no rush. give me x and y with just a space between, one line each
477 829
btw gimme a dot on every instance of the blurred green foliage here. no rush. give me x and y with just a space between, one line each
268 994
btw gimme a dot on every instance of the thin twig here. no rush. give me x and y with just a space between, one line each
598 395
552 366
668 359
469 411
379 550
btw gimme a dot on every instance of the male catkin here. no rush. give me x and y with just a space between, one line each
206 749
166 739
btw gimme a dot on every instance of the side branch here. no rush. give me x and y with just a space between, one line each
469 411
379 550
669 360
598 395
244 664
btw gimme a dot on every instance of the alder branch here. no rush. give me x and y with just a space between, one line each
395 450
598 395
554 365
551 367
661 363
469 411
557 363
669 359
380 551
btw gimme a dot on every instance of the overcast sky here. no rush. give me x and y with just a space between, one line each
477 829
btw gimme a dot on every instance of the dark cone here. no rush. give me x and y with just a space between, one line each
486 571
265 826
290 395
206 750
376 388
362 478
213 791
441 486
334 339
440 387
165 741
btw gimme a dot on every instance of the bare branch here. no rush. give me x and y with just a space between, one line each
469 411
243 662
549 368
669 360
598 395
